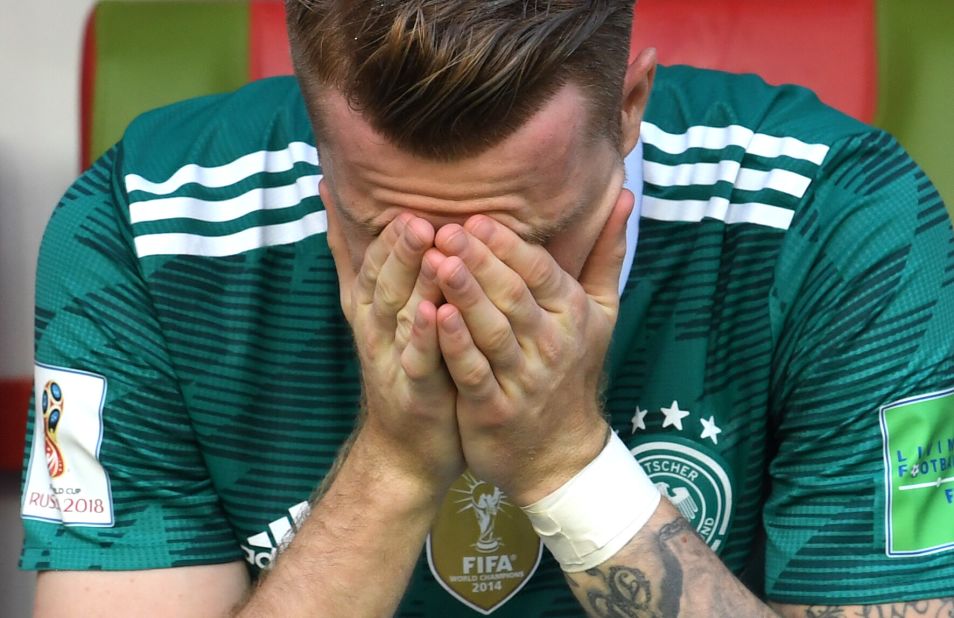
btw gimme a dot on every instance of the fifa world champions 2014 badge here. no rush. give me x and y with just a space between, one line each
482 549
65 481
51 405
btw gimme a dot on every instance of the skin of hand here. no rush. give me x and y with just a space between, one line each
524 343
391 304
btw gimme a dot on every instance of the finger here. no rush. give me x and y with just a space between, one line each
425 289
489 329
600 275
399 273
468 367
549 284
374 258
421 359
502 285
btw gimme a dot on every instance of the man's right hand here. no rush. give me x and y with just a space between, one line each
410 418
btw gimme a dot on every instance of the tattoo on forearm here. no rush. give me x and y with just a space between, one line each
936 608
825 612
627 592
671 584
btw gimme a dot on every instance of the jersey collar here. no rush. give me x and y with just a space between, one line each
633 182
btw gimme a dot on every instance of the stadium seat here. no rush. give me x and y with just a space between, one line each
14 397
826 46
144 54
141 55
916 76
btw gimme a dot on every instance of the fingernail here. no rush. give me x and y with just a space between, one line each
456 241
453 323
482 229
427 271
413 241
419 320
459 278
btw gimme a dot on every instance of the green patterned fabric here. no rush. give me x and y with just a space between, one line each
794 277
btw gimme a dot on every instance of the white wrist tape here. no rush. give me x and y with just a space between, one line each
594 514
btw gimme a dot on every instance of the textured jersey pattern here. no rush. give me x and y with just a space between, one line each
794 272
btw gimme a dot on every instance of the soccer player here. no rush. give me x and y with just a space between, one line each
641 316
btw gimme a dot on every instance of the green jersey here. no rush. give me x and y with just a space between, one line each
783 363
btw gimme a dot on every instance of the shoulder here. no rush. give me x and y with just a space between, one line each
685 97
735 148
222 175
210 131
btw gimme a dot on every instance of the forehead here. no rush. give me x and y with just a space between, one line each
547 151
560 120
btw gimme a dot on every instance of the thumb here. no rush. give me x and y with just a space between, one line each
600 276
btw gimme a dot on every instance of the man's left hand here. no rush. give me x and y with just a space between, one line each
525 343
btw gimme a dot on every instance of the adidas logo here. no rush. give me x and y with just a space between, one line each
260 549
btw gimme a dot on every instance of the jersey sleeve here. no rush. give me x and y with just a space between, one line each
861 508
114 478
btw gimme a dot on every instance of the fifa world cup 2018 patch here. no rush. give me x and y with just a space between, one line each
65 482
918 437
482 549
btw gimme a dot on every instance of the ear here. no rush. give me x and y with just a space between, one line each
636 87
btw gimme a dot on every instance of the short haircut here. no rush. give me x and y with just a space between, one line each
447 79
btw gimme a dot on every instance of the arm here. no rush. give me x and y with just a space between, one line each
664 570
667 570
370 516
388 483
380 504
110 361
199 591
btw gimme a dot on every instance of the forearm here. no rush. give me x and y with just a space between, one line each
665 571
369 516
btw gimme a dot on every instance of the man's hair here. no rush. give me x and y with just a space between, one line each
446 79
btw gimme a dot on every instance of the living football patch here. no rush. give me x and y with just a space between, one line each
918 437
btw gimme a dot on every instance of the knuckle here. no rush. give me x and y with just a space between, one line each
473 377
411 368
499 339
550 349
496 418
494 421
578 302
618 253
540 271
512 295
402 338
481 261
387 297
367 275
503 246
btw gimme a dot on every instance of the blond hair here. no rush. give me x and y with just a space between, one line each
449 78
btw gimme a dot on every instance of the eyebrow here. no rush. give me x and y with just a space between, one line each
544 234
539 236
365 225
